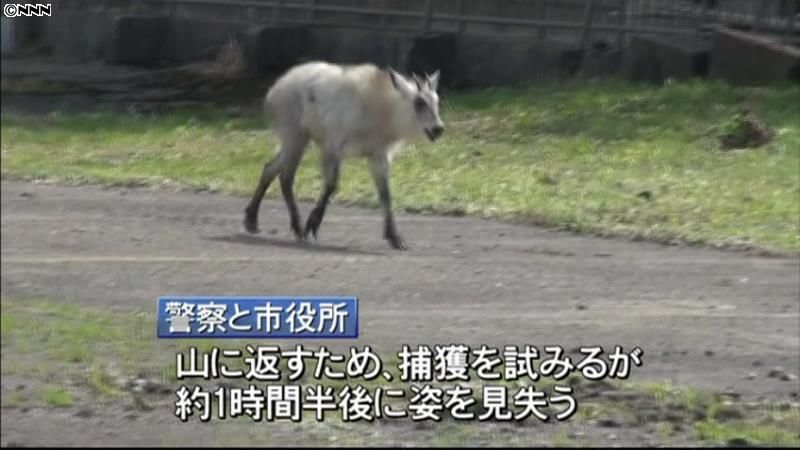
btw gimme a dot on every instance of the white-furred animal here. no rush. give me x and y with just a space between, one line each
347 110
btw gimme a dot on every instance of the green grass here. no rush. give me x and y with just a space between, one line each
39 337
56 396
760 425
68 334
683 396
574 156
101 382
14 399
562 439
754 434
64 342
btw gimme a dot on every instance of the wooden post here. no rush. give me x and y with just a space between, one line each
276 13
311 11
587 24
543 15
792 16
462 24
788 12
760 14
384 19
622 20
426 24
706 4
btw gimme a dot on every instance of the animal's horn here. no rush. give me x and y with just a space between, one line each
393 75
433 80
418 81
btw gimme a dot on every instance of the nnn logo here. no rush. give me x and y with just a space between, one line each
27 10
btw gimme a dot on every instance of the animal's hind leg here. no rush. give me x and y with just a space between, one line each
330 172
268 174
292 155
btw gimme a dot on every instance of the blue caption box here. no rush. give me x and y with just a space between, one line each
258 317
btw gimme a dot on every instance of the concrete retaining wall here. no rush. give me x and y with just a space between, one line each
150 40
355 46
471 60
80 36
655 59
743 58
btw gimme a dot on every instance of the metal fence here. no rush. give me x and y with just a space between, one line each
544 18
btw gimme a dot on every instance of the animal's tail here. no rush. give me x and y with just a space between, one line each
268 105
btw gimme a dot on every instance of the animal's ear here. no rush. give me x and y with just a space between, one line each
433 80
400 83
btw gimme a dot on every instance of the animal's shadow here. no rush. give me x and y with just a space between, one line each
241 238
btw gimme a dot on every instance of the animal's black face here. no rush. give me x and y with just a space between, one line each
426 107
422 92
434 133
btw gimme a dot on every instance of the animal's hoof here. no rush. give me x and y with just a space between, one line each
298 232
398 243
251 226
312 232
312 225
299 236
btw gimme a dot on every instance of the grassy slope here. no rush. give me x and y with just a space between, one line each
574 156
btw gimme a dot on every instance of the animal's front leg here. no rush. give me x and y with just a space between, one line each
379 167
330 171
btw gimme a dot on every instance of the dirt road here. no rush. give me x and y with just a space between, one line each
708 319
704 318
